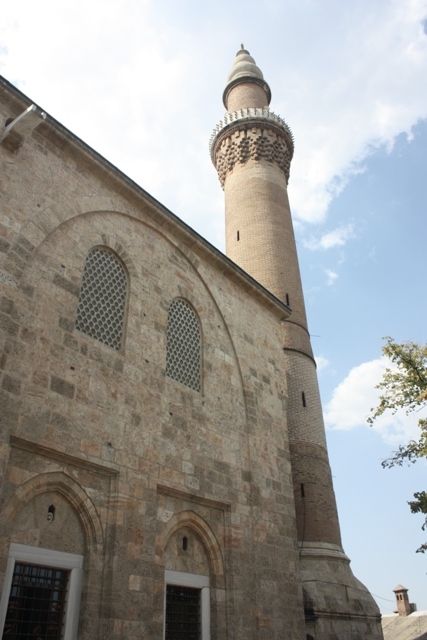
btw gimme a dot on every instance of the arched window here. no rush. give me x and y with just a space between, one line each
184 345
101 307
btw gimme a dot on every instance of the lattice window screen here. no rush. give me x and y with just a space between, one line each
183 351
101 308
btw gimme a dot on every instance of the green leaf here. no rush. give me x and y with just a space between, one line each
404 386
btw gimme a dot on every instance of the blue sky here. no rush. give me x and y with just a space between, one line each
378 292
142 81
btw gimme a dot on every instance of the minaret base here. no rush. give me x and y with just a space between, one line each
337 606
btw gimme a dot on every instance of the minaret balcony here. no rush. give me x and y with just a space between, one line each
248 117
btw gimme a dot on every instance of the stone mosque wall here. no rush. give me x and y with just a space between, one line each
126 462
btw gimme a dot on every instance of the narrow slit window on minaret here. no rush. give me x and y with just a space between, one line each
304 401
287 299
302 491
238 236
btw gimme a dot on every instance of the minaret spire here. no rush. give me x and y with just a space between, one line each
252 149
246 75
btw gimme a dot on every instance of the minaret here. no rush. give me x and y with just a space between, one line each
251 149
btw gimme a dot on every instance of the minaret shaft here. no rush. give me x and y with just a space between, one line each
253 157
260 239
259 234
247 94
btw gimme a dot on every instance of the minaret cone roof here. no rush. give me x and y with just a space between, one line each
245 69
244 66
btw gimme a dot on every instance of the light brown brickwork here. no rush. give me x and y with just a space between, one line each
246 94
317 517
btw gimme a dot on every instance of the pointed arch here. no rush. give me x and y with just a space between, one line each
71 490
193 521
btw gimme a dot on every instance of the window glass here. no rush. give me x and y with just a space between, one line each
183 620
36 602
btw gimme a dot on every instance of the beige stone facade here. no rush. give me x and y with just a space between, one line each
132 461
121 471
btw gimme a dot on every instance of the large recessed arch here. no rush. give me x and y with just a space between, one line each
47 221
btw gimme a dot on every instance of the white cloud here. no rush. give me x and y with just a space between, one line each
118 75
336 238
141 82
321 362
332 276
367 86
353 399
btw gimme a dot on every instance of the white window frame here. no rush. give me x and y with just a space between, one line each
48 558
197 582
